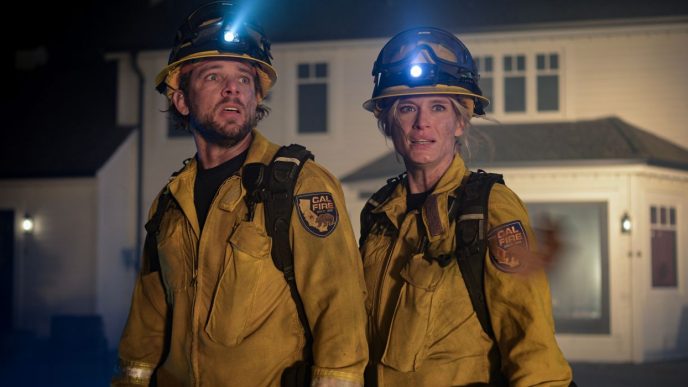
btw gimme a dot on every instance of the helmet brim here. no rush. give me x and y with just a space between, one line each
371 105
267 79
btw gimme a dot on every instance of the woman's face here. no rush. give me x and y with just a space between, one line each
426 129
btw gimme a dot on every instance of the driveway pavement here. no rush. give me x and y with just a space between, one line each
42 363
656 374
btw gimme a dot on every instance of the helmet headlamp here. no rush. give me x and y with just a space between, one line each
218 30
425 61
224 35
231 36
415 71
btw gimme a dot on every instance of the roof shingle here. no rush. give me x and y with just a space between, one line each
603 141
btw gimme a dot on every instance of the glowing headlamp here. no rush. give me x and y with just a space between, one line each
231 36
417 74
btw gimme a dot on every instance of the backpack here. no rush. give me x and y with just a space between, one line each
272 185
469 211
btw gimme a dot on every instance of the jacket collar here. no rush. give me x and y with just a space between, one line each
182 185
435 209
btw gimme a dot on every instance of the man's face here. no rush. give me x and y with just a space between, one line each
221 101
426 130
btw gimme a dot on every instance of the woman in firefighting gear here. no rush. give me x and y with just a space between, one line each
423 329
210 307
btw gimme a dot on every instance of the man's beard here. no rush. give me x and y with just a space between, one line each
213 133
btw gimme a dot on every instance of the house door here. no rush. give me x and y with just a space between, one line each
6 270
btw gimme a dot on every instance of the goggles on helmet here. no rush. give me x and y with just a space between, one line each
425 61
215 30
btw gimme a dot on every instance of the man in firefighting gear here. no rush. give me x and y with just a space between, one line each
423 330
210 308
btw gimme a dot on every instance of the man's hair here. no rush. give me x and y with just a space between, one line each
181 122
388 119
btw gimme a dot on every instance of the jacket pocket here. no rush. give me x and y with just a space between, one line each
406 343
174 252
249 249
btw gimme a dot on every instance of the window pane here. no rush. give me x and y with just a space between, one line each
321 70
515 94
303 70
662 215
313 108
653 215
507 63
548 92
672 216
554 61
580 280
520 63
540 62
477 63
664 258
486 85
488 64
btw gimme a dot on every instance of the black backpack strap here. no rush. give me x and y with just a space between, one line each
471 212
152 227
375 200
470 209
274 186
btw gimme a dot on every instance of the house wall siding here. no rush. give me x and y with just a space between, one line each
117 263
54 265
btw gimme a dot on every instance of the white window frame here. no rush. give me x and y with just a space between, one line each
498 75
658 226
548 70
310 80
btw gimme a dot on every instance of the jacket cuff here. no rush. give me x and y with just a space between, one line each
133 373
330 377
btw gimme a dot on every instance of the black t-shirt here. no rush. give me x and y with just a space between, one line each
208 181
415 201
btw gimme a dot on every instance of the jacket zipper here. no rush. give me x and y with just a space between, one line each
194 314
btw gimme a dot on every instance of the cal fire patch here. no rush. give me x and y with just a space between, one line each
317 212
508 243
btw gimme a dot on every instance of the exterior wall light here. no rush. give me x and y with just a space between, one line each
27 224
626 224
